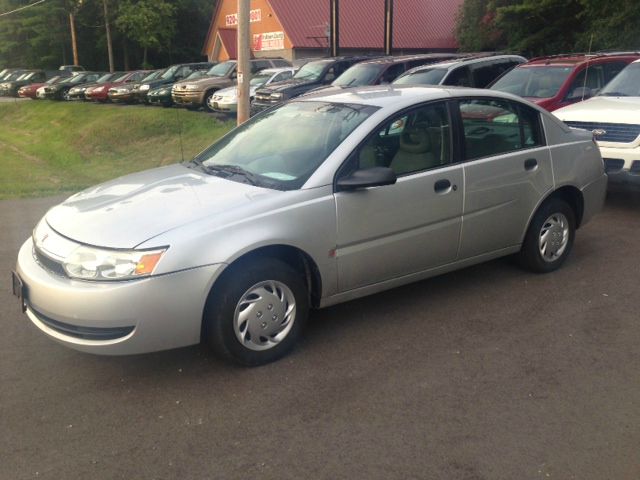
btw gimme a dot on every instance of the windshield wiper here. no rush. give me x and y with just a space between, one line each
613 94
231 170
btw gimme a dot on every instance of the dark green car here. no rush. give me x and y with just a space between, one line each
162 94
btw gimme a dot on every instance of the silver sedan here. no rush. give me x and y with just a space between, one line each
320 201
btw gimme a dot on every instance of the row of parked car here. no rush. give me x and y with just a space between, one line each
554 83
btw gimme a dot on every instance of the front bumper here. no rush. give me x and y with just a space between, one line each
122 97
159 99
187 99
116 318
623 167
223 105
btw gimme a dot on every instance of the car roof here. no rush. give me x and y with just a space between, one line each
407 58
470 60
274 70
574 59
400 96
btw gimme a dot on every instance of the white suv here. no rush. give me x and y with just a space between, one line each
614 117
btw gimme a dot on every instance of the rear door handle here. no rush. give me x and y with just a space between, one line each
530 164
444 186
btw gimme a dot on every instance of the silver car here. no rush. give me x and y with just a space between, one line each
319 201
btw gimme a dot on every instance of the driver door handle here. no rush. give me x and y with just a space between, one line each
443 186
530 164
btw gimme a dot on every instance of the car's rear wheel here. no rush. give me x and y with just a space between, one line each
256 311
550 237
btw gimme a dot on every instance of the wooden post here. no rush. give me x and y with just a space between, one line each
334 27
74 43
388 26
109 46
244 69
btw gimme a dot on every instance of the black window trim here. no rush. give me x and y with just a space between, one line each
453 148
519 106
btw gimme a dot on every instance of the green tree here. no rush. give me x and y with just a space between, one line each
149 23
476 29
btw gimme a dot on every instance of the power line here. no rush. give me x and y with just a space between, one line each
22 8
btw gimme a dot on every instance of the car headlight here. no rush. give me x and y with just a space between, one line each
144 88
90 263
276 96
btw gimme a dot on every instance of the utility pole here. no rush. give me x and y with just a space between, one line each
244 52
109 46
334 27
388 26
74 43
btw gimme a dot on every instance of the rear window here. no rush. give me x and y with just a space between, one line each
534 82
429 76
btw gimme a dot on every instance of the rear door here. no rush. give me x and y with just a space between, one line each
507 171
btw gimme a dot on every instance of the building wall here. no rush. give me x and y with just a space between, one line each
267 23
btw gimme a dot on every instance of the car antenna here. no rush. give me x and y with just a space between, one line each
180 134
586 70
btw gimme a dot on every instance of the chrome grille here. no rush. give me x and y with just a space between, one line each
615 132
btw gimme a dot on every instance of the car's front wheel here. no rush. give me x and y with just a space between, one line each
550 237
208 101
256 311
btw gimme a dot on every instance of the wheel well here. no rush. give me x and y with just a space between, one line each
574 198
295 258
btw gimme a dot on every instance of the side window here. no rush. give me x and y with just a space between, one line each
495 126
594 82
412 142
282 76
483 74
280 63
392 73
258 65
612 69
460 77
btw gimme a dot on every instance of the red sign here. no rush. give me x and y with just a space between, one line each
232 19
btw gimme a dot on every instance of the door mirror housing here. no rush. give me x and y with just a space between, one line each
367 177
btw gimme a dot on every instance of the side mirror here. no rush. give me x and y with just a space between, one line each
368 177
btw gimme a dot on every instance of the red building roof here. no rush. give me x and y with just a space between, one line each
228 37
417 24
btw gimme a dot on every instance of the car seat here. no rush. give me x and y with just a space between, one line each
415 152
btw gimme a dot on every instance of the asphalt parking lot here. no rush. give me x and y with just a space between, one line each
486 373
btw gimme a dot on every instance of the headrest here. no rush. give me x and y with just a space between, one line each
415 139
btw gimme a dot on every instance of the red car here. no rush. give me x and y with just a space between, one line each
29 91
560 80
99 93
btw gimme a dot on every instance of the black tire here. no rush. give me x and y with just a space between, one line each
530 256
218 323
207 97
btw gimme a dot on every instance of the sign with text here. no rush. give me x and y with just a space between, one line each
254 16
268 41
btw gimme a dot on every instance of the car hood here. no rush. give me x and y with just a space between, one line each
231 91
159 83
206 81
287 84
602 109
127 211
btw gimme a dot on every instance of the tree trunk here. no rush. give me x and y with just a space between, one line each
106 26
125 54
74 43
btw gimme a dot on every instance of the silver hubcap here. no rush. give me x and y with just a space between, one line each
554 237
264 315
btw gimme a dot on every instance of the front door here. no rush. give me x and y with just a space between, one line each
395 230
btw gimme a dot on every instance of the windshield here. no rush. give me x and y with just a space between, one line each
29 76
358 75
310 71
14 76
120 78
153 75
52 80
169 72
259 79
104 78
282 147
429 76
533 82
196 74
221 69
625 84
77 78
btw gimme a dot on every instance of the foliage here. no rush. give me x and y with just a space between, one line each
169 31
542 27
